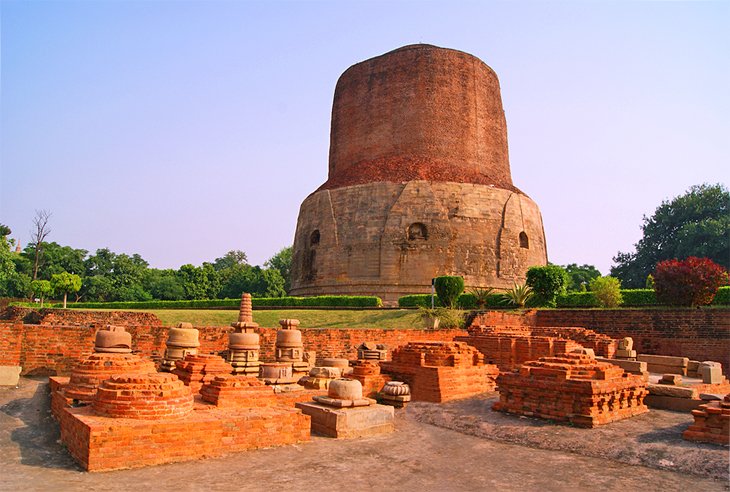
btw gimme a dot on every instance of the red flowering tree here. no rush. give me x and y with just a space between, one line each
690 282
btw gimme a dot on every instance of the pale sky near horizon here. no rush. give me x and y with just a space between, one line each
182 130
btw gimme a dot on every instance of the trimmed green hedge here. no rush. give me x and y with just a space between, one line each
465 301
326 301
631 297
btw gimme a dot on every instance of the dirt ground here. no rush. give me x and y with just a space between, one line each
456 446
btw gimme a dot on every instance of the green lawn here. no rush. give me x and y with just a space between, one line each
310 318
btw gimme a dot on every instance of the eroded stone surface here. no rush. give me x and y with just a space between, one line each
433 197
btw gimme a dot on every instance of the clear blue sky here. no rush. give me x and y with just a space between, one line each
182 130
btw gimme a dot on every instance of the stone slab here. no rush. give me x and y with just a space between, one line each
10 375
632 366
672 403
673 391
664 364
348 423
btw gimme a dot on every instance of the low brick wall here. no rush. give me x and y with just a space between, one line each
700 334
55 349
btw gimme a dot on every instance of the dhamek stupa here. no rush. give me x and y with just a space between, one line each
419 183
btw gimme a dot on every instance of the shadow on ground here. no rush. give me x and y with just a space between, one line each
38 440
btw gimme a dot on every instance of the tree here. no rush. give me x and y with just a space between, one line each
547 282
201 282
13 283
7 267
230 259
41 288
65 283
448 288
163 284
607 291
255 280
690 282
282 261
38 234
694 224
580 276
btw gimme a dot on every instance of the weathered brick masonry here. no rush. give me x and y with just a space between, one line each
56 349
700 334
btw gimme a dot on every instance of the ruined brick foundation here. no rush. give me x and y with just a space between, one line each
441 371
572 388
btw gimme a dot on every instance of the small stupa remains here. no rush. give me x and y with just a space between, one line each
112 355
243 341
181 341
345 413
395 393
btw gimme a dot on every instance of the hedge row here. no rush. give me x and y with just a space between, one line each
327 301
631 297
465 301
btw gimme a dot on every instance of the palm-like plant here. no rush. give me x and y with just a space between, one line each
518 295
481 296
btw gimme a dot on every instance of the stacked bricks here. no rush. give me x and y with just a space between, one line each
197 369
150 397
238 391
368 373
712 423
699 334
56 349
511 345
91 372
572 388
441 371
100 443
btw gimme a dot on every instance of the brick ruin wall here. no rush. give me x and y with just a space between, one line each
699 334
55 349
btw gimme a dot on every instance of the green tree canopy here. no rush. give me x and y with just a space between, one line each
694 224
580 276
281 261
65 283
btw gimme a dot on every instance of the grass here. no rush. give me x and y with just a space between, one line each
314 318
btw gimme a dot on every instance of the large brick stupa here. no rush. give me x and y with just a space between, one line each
419 183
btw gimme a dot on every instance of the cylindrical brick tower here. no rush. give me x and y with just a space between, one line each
419 183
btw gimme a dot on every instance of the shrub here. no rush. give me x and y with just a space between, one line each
690 282
519 295
324 301
450 318
547 282
607 291
481 296
577 299
638 297
722 297
448 289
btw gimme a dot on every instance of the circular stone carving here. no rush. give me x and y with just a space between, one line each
113 339
183 337
345 389
396 388
288 338
243 341
332 362
276 370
